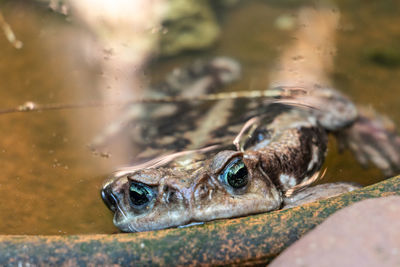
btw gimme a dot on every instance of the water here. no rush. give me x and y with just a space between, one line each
50 180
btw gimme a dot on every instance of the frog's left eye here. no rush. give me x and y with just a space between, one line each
140 195
235 174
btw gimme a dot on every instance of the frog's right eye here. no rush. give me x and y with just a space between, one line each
140 195
235 174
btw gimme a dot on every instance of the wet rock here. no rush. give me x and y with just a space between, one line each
364 234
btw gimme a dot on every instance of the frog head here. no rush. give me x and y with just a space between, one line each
230 184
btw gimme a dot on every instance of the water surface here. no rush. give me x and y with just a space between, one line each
50 180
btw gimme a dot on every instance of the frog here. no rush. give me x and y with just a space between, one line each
267 166
245 155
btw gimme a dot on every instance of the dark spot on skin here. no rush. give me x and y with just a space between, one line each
221 132
178 143
202 191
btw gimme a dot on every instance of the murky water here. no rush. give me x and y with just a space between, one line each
50 181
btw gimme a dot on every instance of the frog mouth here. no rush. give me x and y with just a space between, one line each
111 202
190 224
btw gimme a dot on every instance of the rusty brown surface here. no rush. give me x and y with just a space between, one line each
253 239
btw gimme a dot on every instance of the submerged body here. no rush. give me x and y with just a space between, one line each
238 157
276 151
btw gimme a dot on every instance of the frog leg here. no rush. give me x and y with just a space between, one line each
318 192
299 187
373 138
246 132
332 109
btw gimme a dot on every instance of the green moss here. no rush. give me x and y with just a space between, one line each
86 247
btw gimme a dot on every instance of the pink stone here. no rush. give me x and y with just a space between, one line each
364 234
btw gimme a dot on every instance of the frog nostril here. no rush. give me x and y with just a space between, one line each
171 195
109 198
202 191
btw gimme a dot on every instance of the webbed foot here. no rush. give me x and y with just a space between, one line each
373 138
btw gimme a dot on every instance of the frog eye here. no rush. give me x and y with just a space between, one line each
140 195
235 174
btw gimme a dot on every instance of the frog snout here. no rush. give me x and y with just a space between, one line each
109 198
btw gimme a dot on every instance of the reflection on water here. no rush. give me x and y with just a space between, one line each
50 181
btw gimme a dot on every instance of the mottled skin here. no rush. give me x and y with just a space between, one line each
282 154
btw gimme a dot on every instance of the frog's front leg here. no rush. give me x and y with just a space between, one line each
293 150
318 192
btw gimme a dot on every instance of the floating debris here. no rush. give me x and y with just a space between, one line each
27 106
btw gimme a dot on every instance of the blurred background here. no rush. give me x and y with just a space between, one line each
83 51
